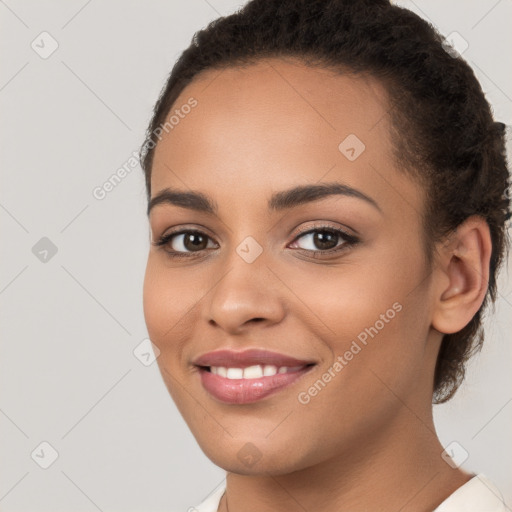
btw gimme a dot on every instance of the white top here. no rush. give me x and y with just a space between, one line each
477 495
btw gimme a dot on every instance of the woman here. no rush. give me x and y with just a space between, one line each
327 204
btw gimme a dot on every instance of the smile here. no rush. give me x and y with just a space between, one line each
252 372
243 377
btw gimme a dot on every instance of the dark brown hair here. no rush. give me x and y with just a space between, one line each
442 127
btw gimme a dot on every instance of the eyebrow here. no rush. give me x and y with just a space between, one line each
279 201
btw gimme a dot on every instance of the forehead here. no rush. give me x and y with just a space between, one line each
284 93
274 123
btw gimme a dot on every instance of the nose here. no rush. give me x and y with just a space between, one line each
246 295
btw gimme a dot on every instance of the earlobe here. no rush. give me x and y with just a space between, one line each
462 275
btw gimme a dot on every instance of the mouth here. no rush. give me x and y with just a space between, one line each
249 376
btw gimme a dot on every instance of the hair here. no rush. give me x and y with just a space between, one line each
442 128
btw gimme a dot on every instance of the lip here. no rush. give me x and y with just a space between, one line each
248 357
245 391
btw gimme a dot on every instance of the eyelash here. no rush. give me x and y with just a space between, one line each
348 241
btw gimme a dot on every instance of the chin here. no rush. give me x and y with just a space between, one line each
244 457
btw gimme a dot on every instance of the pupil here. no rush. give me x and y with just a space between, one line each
324 240
196 241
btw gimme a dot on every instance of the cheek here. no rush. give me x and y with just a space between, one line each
166 299
172 304
165 307
156 301
375 340
375 316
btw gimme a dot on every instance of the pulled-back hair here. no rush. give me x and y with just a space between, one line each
442 127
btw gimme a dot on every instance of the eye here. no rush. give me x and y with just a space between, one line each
317 241
184 242
324 240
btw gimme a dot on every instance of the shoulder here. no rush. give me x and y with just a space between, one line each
477 495
211 502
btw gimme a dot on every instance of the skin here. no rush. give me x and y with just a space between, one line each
367 441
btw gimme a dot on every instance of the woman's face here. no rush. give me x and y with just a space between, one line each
335 280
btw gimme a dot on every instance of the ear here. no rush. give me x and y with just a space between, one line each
461 275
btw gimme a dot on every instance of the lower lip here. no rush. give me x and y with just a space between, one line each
245 391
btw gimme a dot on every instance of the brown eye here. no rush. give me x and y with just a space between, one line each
185 242
325 240
320 240
192 242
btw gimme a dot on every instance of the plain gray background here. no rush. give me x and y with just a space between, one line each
71 320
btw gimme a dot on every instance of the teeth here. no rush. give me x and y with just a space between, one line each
252 372
270 370
235 373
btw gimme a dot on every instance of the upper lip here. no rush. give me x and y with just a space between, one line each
249 357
